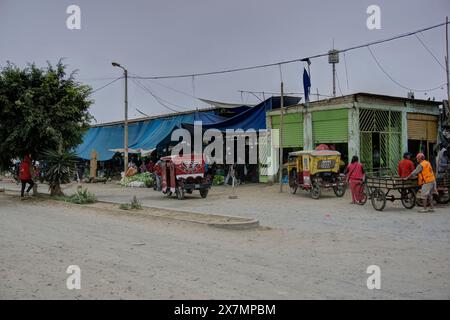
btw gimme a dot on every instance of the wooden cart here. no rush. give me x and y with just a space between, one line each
381 189
443 186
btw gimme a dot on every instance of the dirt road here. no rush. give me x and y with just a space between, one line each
320 255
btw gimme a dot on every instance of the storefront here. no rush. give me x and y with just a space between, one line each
422 134
377 128
330 127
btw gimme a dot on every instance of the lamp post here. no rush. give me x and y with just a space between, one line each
125 136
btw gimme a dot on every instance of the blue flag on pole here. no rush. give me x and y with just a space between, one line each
306 84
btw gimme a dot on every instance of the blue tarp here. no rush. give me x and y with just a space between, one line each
141 135
253 118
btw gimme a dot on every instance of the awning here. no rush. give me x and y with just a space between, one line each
143 136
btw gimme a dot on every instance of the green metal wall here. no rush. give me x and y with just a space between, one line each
292 129
386 127
330 126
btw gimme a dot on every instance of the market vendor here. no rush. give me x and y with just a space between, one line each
425 174
131 171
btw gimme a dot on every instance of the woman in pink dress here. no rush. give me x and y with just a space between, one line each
355 177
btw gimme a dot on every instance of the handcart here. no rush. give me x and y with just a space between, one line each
379 189
443 186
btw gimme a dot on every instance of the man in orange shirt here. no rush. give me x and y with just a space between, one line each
405 166
424 173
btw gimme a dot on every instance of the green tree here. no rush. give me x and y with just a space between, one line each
41 109
60 169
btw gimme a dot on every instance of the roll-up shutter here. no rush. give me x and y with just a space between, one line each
292 129
330 126
422 127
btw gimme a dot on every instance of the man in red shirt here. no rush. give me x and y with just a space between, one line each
405 166
25 175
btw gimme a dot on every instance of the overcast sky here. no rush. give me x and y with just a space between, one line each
190 36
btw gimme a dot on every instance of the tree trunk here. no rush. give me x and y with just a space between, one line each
56 190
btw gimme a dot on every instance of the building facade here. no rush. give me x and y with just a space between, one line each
377 128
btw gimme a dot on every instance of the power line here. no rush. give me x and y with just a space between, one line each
339 83
135 76
160 100
430 52
144 114
287 93
395 81
290 61
346 71
109 83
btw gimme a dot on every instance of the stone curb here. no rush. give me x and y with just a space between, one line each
245 224
239 225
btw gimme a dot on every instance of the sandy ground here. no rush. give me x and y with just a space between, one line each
313 249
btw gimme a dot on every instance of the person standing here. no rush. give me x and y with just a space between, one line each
25 175
230 174
426 178
405 166
442 163
355 177
157 169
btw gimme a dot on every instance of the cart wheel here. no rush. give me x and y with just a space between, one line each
293 190
315 191
365 195
443 198
339 190
378 199
180 193
204 193
408 198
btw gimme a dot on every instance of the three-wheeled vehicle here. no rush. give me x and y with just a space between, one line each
316 170
184 174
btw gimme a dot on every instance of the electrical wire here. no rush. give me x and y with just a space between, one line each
106 85
287 93
339 84
395 81
160 100
143 113
293 60
346 71
430 52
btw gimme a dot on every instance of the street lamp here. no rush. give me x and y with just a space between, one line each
125 136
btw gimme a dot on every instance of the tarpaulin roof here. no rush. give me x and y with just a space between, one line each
252 118
141 135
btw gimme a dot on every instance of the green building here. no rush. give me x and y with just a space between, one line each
377 128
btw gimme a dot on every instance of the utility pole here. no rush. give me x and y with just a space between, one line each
333 58
446 59
125 135
281 135
125 138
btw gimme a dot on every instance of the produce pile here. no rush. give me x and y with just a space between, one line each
140 180
218 180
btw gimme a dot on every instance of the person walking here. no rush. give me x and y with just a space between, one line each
25 175
405 166
355 177
231 174
427 180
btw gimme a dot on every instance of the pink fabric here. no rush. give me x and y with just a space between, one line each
355 171
357 190
355 176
